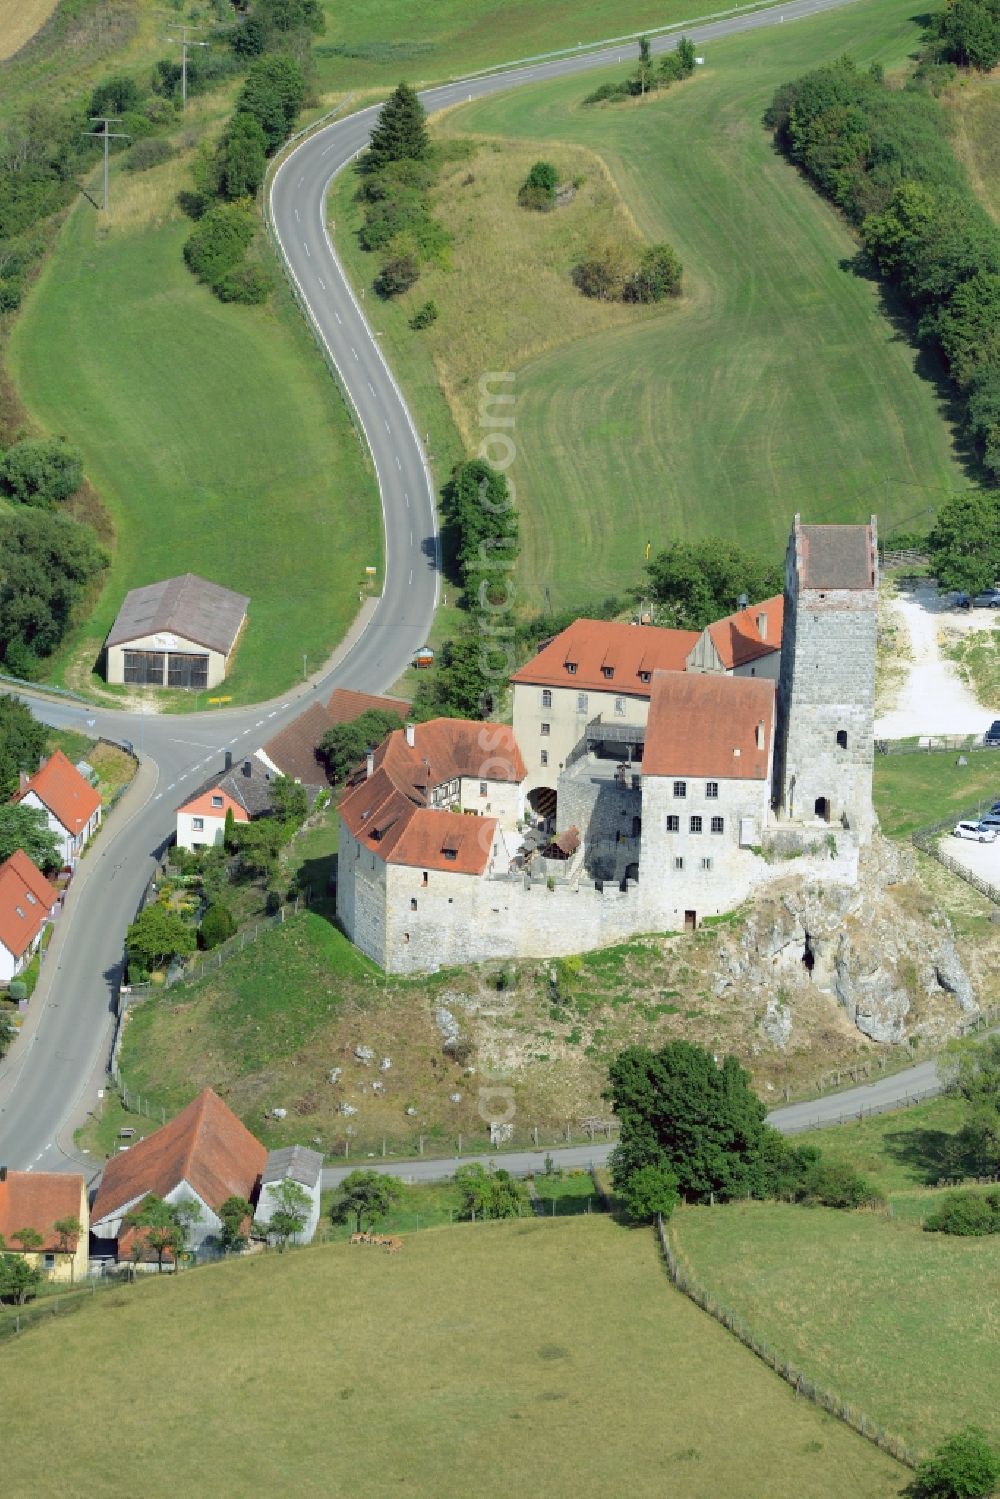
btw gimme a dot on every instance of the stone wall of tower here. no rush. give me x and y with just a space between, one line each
826 702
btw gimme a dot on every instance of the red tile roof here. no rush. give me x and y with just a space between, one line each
201 806
60 787
38 1199
591 645
293 750
381 810
204 1145
738 639
706 725
26 902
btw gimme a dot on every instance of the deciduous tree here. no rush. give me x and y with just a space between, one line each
964 1466
366 1196
697 582
28 828
291 1213
964 543
234 1215
157 935
490 1194
22 742
345 745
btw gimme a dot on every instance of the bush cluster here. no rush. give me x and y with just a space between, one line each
882 155
49 564
966 32
538 190
970 1214
647 78
40 471
624 273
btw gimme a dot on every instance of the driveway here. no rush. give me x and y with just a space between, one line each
934 699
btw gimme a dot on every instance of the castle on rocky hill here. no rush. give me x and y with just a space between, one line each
651 778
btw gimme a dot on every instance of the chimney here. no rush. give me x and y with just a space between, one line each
760 735
247 768
229 759
411 736
762 625
23 778
370 765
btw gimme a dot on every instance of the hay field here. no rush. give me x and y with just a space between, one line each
19 20
537 1357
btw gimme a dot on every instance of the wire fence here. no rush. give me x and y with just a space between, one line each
934 744
682 1277
928 841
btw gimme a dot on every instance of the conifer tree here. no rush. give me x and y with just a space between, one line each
401 132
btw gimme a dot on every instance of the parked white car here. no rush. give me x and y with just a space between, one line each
975 831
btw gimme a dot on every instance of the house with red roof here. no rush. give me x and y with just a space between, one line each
27 902
70 803
744 644
40 1200
203 1155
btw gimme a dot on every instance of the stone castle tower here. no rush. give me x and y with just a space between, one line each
826 692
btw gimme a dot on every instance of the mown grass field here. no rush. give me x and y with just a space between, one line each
912 791
213 433
525 1358
900 1323
776 384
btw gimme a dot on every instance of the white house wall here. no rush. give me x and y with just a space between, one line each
567 724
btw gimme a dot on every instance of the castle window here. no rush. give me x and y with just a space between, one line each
581 702
718 825
483 788
571 668
546 698
413 902
695 825
406 936
679 862
706 863
424 881
680 788
608 672
546 728
842 738
544 757
712 790
673 824
620 707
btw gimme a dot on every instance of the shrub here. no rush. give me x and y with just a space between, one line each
397 276
963 1467
249 285
658 276
17 989
603 273
219 242
217 925
835 1184
242 156
146 153
969 1214
424 316
116 96
41 471
538 190
607 93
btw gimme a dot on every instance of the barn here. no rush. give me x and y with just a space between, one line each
178 633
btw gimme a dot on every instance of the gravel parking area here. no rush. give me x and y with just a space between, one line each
982 859
933 699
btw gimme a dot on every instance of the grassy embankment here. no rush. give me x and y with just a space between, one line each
213 433
775 384
579 1366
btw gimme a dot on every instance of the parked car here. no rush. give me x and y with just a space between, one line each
990 820
974 832
992 735
962 601
989 599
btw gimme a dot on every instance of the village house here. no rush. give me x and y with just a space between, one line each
687 768
246 790
203 1155
295 750
27 902
291 1163
71 804
39 1200
181 632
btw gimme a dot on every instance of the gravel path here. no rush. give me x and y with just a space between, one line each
933 700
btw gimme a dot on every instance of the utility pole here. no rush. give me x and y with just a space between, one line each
185 43
109 136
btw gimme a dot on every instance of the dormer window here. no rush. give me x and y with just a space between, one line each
608 672
31 899
19 912
645 676
571 668
450 853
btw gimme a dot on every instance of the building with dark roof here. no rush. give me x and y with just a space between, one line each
245 788
303 1167
295 750
181 632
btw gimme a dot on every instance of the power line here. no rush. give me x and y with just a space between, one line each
185 42
109 136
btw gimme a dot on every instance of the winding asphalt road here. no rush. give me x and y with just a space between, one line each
51 1074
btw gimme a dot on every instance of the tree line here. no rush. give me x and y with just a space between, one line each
648 77
882 156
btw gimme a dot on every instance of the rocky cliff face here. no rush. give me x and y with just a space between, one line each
896 972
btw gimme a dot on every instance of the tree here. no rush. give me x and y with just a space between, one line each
481 531
28 828
974 1074
969 31
46 562
658 276
290 1215
685 54
489 1194
243 156
18 1279
187 1214
650 1192
698 582
68 1229
290 801
681 1111
538 190
258 844
117 95
29 1239
401 131
219 241
463 683
964 543
273 93
234 1215
217 925
158 1226
157 935
365 1196
40 472
398 274
292 15
346 744
22 742
964 1466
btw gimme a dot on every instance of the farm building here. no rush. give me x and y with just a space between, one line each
178 633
